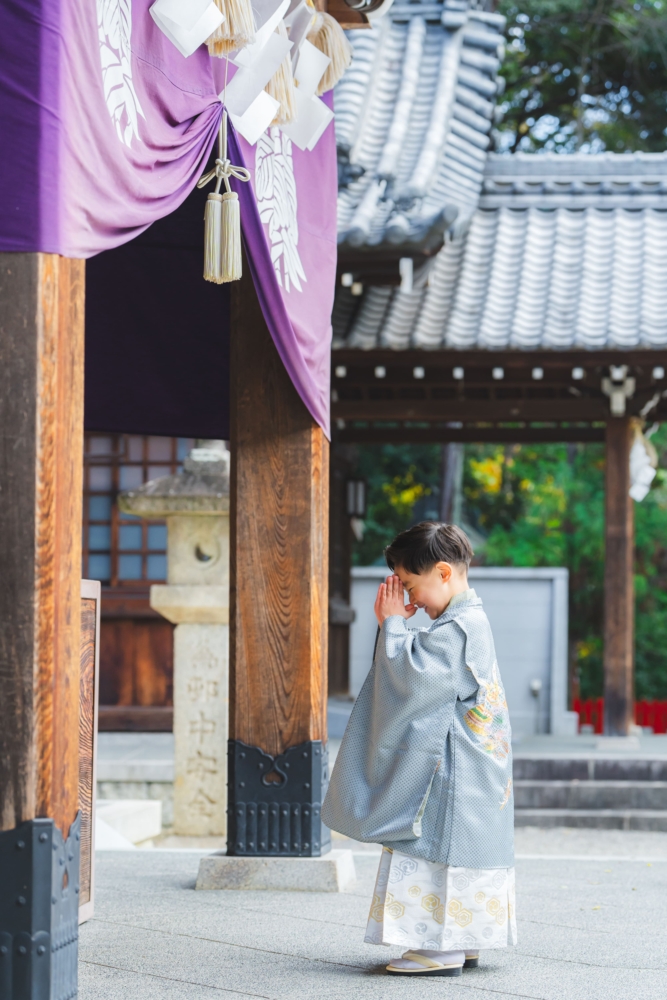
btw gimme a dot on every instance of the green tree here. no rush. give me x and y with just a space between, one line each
537 505
543 505
402 489
584 75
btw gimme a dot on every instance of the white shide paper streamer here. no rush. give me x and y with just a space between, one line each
186 23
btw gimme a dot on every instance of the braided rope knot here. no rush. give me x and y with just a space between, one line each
223 168
222 171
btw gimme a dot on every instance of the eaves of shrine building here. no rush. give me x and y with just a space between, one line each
487 291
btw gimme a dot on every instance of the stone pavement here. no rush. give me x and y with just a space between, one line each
591 906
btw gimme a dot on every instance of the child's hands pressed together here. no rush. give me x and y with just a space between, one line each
390 601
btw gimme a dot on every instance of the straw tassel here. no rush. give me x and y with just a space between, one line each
236 31
281 86
230 247
213 238
222 217
327 35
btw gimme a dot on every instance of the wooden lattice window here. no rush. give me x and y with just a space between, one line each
121 549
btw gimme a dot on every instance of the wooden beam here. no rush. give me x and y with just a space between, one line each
136 718
574 410
645 358
41 455
470 435
278 585
346 16
618 580
490 386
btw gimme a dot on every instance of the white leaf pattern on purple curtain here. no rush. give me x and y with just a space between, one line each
114 22
275 189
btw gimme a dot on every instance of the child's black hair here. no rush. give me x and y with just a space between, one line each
419 548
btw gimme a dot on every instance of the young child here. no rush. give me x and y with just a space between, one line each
425 766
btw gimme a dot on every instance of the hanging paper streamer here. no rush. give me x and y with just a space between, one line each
312 117
268 15
312 114
327 35
643 464
281 85
187 25
252 76
311 66
298 23
257 118
222 217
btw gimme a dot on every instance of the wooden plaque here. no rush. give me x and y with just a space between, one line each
88 708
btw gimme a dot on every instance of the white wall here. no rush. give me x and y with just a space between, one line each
527 609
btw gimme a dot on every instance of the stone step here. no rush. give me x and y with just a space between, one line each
135 819
613 795
599 819
593 768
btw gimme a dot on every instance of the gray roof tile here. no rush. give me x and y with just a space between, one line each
548 251
414 114
534 271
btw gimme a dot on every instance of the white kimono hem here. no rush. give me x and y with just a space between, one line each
427 905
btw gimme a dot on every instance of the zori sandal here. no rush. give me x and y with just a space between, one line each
413 963
472 960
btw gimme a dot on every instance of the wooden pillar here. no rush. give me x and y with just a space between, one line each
278 599
618 581
340 563
41 455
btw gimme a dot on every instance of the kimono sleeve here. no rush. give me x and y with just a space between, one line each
414 656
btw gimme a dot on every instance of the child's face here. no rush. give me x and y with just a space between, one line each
433 589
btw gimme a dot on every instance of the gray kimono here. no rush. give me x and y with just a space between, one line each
425 766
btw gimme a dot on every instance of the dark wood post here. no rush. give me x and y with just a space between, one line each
340 563
452 458
618 581
41 455
278 599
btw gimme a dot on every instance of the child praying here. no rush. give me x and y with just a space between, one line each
425 766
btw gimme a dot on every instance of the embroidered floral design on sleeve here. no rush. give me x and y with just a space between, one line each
489 718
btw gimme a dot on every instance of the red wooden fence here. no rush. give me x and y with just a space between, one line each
647 713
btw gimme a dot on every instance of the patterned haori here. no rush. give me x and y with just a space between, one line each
427 905
425 766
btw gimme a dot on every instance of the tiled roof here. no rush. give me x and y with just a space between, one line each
413 116
563 251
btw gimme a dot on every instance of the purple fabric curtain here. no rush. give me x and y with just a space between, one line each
107 128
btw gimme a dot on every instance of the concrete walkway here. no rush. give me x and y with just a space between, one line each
592 912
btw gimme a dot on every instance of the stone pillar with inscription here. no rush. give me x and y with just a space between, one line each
195 505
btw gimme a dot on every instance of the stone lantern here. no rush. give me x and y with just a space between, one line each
195 505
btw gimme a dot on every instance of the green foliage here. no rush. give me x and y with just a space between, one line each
536 505
544 506
401 481
585 74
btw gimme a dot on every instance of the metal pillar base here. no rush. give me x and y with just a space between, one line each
39 911
275 803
